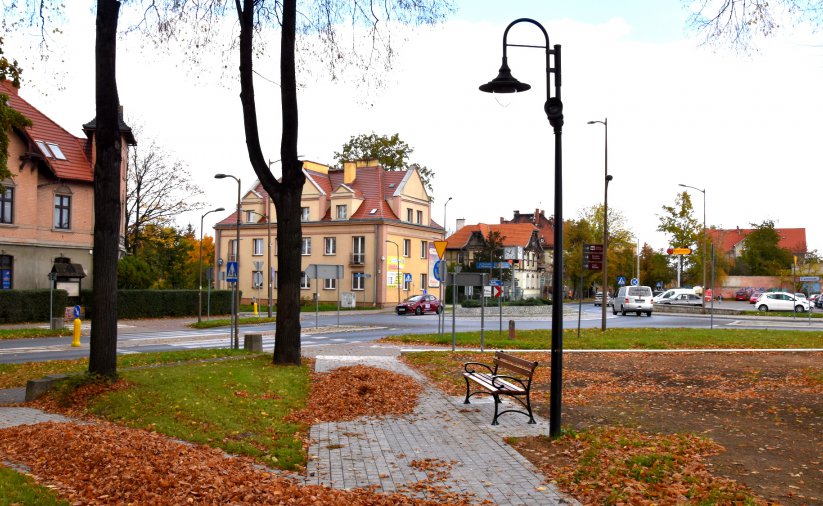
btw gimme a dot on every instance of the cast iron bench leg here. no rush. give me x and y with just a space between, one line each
496 403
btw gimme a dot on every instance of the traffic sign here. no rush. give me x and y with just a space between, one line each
497 291
635 282
362 275
77 311
808 278
593 257
257 279
679 251
407 277
621 280
439 270
496 282
440 246
231 272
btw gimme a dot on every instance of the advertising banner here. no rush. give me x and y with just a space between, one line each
433 258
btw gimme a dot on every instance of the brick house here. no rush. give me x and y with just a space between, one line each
731 242
47 208
374 223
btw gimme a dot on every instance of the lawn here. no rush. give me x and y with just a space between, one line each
19 490
627 338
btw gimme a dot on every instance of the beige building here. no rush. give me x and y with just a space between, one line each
376 225
47 207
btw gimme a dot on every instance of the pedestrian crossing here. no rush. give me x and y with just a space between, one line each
306 340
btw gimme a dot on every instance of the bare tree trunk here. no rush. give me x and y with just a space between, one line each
286 194
107 206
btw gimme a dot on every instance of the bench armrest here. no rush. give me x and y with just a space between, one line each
471 370
509 378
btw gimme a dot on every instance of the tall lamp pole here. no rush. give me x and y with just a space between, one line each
200 285
506 83
703 191
443 314
603 300
397 258
235 316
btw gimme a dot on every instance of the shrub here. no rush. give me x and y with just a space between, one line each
18 306
163 303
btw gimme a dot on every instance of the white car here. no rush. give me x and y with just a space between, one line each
781 301
598 297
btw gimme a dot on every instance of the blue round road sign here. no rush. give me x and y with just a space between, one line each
77 311
635 282
439 270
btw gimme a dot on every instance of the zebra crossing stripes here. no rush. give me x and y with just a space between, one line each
268 342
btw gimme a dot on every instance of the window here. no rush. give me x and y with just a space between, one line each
358 256
358 281
329 245
406 247
419 217
7 205
250 216
258 247
44 149
305 247
232 250
407 281
424 249
6 272
342 213
305 282
304 214
423 280
409 214
329 284
62 212
56 151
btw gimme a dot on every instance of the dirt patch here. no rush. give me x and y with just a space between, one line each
766 409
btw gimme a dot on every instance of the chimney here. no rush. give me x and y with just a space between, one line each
502 220
460 222
349 172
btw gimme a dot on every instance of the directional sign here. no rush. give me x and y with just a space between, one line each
440 246
593 257
808 278
497 291
362 275
231 272
635 282
621 280
496 282
77 311
679 251
440 270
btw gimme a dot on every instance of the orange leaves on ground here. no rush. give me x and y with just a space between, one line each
624 466
102 463
350 392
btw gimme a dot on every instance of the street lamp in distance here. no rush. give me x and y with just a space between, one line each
703 191
200 285
236 298
605 123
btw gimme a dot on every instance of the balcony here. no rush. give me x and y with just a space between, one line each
358 259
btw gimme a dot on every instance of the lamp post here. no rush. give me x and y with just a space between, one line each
235 316
200 286
398 268
605 123
703 191
442 320
506 83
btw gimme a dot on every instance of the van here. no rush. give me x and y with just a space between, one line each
672 293
637 299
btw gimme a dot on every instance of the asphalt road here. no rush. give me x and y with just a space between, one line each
365 326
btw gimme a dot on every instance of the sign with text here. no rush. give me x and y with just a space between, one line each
593 257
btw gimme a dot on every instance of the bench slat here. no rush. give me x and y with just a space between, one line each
486 380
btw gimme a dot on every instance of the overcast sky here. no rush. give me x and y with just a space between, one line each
746 128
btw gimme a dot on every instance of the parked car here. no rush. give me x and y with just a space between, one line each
781 301
743 294
819 302
683 299
813 298
636 299
756 295
672 292
598 299
419 304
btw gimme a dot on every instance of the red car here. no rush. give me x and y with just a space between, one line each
419 304
743 294
755 296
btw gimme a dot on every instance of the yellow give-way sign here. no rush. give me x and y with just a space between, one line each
440 246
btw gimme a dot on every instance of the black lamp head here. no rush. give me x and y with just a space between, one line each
504 82
554 111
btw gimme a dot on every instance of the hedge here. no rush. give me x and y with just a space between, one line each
18 306
163 303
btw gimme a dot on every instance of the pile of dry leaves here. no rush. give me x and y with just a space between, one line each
350 392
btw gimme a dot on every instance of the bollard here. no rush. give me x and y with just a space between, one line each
255 310
75 340
511 330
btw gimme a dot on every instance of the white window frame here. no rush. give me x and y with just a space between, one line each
424 249
358 283
257 247
329 245
407 248
250 216
7 206
305 246
409 214
359 248
424 279
305 213
305 281
329 284
342 212
419 217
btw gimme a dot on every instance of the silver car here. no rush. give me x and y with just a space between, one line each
633 299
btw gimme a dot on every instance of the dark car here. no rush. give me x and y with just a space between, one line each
743 294
419 304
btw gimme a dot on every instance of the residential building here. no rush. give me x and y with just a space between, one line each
520 240
545 231
731 242
375 224
47 208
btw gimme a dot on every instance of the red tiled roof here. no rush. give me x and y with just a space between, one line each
77 165
514 234
792 239
544 225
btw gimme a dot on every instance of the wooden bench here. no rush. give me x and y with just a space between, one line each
510 376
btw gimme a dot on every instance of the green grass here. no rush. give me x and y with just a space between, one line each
225 322
629 338
788 314
33 332
16 375
20 490
236 405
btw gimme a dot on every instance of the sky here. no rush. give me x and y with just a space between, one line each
745 128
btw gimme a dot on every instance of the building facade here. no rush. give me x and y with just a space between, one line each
47 207
375 226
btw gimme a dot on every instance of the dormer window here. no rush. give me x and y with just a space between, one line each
342 212
304 214
51 150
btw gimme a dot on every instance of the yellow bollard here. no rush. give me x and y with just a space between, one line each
255 310
75 340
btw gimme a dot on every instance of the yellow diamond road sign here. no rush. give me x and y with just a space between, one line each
440 246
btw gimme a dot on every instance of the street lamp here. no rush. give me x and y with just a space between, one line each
506 83
235 316
200 286
398 268
703 191
603 304
441 321
268 248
